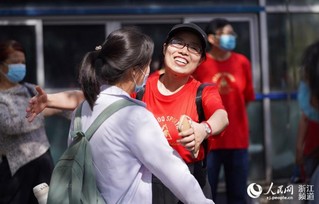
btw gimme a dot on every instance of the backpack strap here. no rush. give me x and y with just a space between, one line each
77 118
106 113
201 116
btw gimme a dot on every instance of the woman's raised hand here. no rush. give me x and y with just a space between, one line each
37 104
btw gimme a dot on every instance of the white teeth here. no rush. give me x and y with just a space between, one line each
181 60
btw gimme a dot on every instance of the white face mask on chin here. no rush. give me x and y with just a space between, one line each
140 87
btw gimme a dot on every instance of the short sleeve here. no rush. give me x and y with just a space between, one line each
211 100
304 102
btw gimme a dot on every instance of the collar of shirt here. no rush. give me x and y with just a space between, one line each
116 91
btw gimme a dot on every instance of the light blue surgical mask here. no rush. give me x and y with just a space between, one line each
140 87
16 72
227 42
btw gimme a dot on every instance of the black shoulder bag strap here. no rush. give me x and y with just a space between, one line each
201 116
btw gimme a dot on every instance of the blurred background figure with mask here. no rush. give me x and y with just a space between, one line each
25 158
307 145
232 73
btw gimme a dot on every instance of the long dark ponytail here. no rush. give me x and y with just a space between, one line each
124 49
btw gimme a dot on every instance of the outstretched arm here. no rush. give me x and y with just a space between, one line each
193 137
67 100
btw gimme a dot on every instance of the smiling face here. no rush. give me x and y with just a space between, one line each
182 61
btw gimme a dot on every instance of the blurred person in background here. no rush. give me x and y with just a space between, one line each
232 73
307 145
25 158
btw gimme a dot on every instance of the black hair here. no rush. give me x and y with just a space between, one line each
310 68
123 50
9 46
215 25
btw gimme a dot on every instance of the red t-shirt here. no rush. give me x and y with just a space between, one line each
312 138
234 80
168 109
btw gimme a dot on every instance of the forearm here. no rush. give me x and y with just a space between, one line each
174 174
300 140
302 128
54 111
67 100
218 121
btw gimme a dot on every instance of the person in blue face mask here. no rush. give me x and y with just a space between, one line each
232 73
16 72
307 141
25 158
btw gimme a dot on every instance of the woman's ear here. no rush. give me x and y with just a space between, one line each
133 71
201 60
3 68
211 39
164 48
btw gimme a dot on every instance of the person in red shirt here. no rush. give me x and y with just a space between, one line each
231 72
172 93
307 144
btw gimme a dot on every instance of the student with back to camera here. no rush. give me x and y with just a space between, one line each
130 146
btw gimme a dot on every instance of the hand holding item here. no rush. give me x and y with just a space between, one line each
36 104
41 192
192 133
188 136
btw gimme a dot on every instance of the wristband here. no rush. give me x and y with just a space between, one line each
208 128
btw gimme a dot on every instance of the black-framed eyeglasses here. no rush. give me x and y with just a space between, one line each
180 44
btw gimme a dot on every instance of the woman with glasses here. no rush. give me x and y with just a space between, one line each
232 73
169 96
173 93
